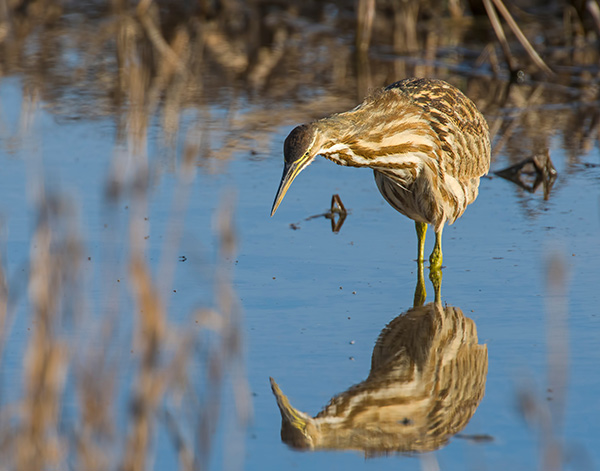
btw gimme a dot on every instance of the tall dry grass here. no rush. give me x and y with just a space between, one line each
36 432
323 57
86 403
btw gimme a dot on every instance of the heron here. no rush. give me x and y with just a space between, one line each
427 143
428 376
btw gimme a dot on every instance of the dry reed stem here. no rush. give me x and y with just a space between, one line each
54 264
365 15
535 57
405 26
164 367
148 15
594 9
96 381
149 386
156 379
228 54
267 60
150 333
508 57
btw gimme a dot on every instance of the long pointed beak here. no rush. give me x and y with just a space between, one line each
290 171
291 416
297 427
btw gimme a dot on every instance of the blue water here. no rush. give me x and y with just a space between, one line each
314 302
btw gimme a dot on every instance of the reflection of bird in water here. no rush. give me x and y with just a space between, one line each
427 377
426 142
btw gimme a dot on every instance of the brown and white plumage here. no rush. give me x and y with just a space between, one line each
428 375
426 142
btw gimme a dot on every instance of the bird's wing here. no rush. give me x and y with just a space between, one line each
462 130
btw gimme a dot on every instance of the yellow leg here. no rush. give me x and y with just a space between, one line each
435 259
421 228
435 265
435 275
420 292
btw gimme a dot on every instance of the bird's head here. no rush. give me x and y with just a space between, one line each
299 150
298 429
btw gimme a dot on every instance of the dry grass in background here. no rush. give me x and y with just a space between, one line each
264 53
163 391
65 358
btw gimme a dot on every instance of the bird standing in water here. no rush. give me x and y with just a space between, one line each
426 142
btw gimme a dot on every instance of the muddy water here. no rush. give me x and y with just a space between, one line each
523 269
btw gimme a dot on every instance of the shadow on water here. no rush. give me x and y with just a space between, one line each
427 378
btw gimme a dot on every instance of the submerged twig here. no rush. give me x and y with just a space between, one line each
337 209
541 165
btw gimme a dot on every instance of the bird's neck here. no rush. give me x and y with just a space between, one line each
337 139
359 139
